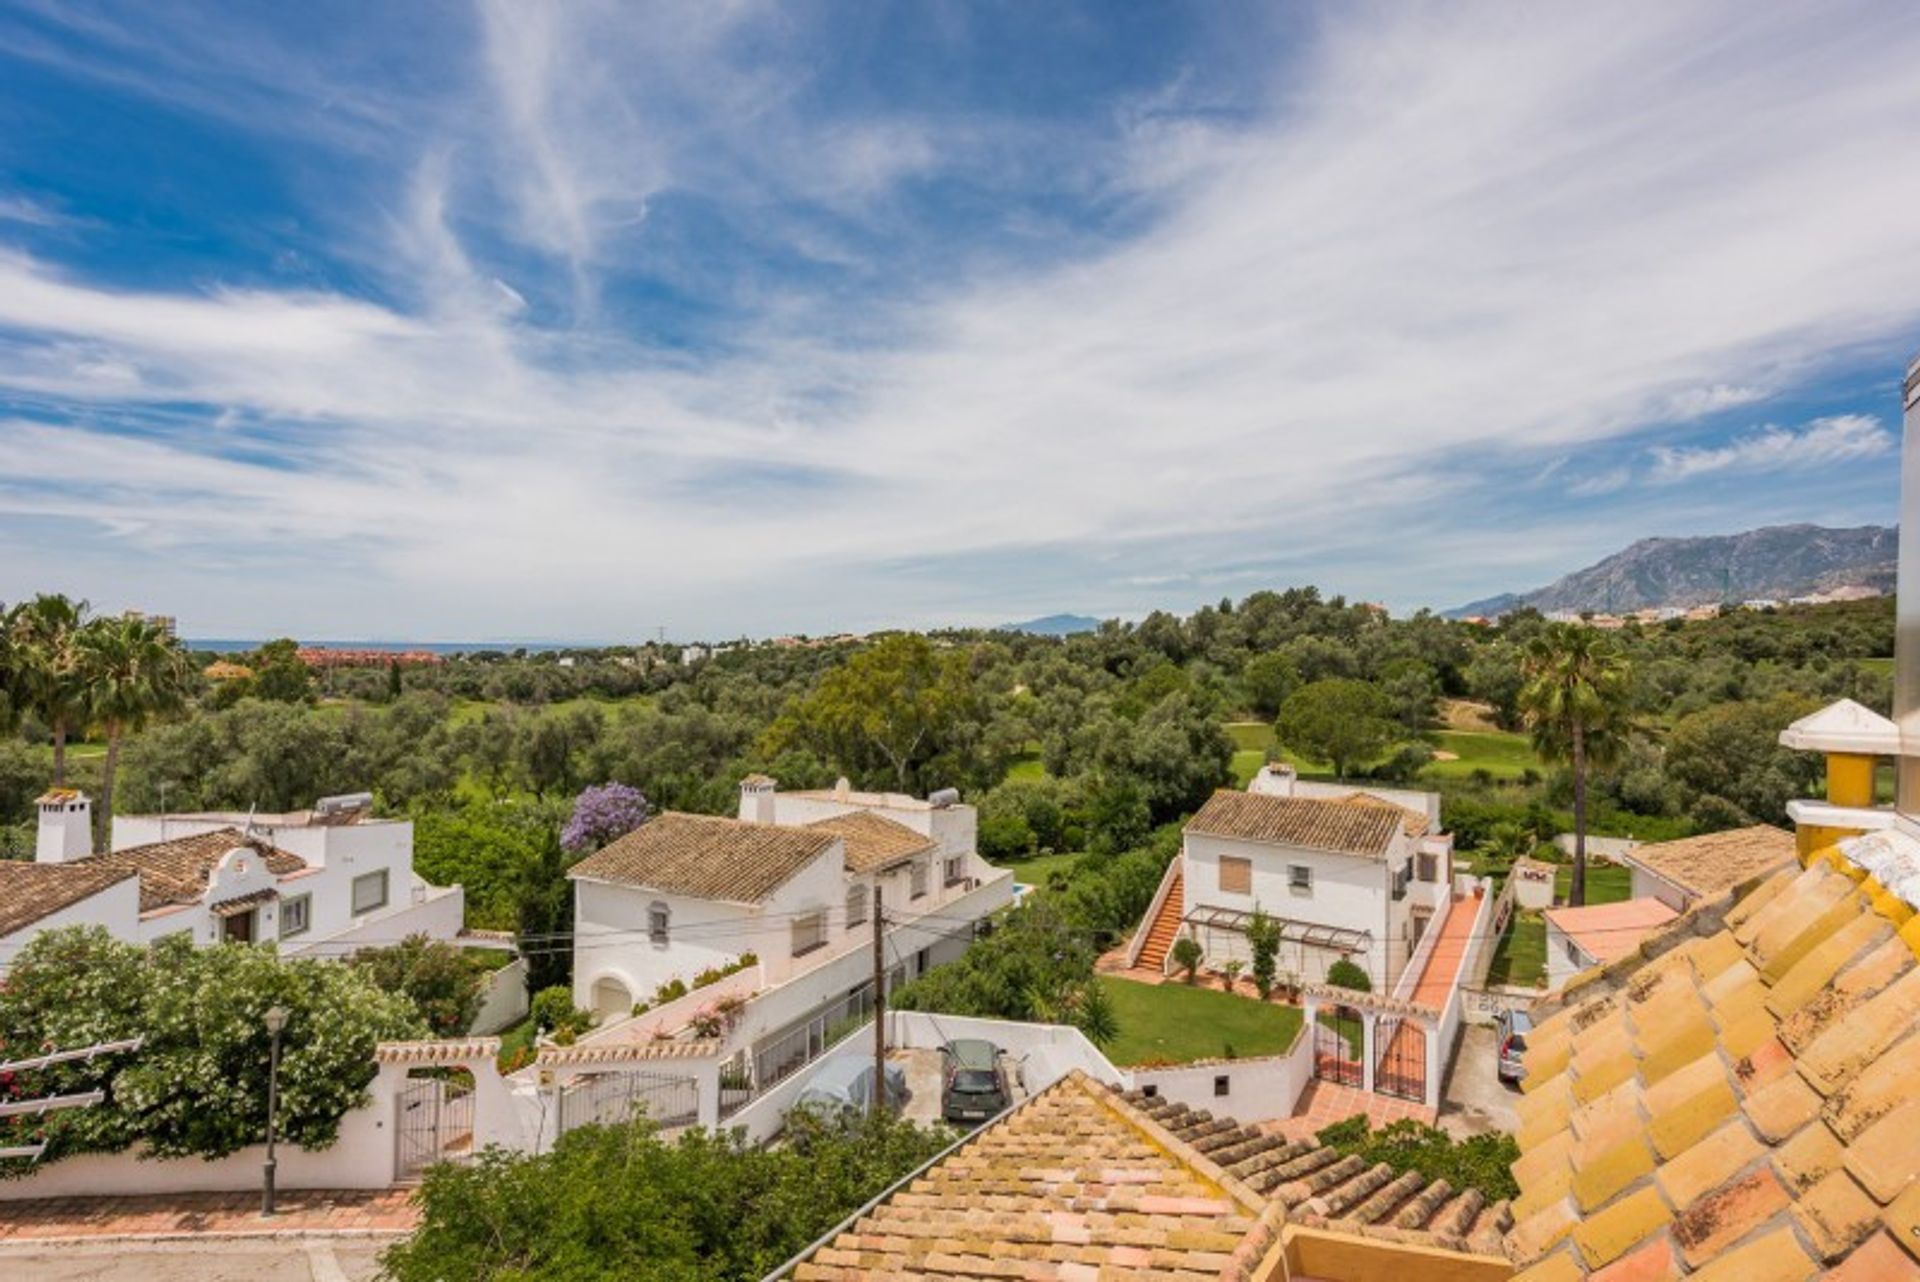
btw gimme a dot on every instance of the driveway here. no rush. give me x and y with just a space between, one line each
267 1260
1476 1100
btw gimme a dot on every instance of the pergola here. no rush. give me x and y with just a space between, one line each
1311 934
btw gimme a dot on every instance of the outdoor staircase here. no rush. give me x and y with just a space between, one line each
1166 927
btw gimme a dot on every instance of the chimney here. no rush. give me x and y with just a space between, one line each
756 799
66 827
1906 645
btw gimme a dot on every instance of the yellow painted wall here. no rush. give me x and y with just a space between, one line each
1849 779
1811 837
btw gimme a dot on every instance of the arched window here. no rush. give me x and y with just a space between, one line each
657 918
856 906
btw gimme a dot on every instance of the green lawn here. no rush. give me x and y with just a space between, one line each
1502 754
1171 1023
1036 871
1606 883
1027 766
1884 666
1521 955
1251 735
514 1038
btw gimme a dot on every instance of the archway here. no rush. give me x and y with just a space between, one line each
611 998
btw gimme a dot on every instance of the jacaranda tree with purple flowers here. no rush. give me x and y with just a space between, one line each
603 814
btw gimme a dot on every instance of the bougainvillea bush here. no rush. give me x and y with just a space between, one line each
603 814
198 1086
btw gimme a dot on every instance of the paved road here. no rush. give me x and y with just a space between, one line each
309 1260
1476 1099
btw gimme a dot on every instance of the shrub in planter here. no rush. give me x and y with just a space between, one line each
671 991
554 1012
1187 955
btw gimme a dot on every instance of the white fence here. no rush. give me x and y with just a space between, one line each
1247 1090
505 1002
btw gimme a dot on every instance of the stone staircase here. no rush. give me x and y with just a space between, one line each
1166 927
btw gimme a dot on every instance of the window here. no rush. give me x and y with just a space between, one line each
956 869
1429 868
369 892
1574 955
1300 879
1222 1085
296 915
856 906
809 933
919 878
659 920
1236 875
1400 878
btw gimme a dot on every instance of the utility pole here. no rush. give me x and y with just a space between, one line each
879 1007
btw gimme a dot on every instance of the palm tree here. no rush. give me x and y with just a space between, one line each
1575 701
44 640
133 671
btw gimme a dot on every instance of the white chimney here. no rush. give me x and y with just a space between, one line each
756 799
66 827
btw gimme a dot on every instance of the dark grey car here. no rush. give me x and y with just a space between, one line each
973 1085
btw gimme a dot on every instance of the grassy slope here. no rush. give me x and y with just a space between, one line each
1177 1024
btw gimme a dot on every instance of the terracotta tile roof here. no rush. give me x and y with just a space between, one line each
1716 862
240 903
1737 1100
177 871
29 891
1313 822
438 1051
1321 1188
706 857
1076 1183
1413 821
1608 932
874 843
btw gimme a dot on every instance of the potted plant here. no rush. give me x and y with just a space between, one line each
1230 970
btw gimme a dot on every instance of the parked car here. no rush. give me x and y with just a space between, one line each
844 1085
973 1085
1513 1027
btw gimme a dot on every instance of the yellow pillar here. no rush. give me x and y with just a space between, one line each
1849 779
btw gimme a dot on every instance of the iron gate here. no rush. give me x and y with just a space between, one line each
434 1123
1336 1033
612 1098
1402 1070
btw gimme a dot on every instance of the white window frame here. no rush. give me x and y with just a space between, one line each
859 905
809 932
304 903
659 924
1243 867
383 877
1300 880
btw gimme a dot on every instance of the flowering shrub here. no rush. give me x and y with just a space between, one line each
199 1084
601 815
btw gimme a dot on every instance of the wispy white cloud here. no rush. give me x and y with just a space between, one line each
1453 237
1843 438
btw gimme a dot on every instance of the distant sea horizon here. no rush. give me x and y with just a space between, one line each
231 645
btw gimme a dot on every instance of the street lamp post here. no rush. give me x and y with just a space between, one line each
276 1019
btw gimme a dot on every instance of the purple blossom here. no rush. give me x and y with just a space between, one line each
603 814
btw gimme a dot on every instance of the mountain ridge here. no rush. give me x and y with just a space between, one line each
1773 562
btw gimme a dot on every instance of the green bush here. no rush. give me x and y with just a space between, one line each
1484 1162
442 982
1187 955
554 1012
1346 974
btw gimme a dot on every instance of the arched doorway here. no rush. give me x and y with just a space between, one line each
611 998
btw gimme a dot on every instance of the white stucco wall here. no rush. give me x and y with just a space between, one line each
1349 892
117 908
1560 967
1257 1090
1648 884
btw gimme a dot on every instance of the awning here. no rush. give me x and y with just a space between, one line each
1312 934
243 903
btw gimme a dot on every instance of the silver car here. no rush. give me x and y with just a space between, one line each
1513 1027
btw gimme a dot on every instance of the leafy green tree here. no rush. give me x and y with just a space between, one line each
1263 940
1731 753
278 674
198 1086
890 714
133 671
1174 755
1494 676
1577 700
443 984
1268 679
621 1204
1337 720
44 659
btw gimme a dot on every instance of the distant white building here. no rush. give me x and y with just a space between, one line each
332 876
789 883
1348 873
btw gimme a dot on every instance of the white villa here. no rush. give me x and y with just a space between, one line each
332 876
789 884
1347 873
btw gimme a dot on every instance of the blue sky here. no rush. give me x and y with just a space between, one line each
573 321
